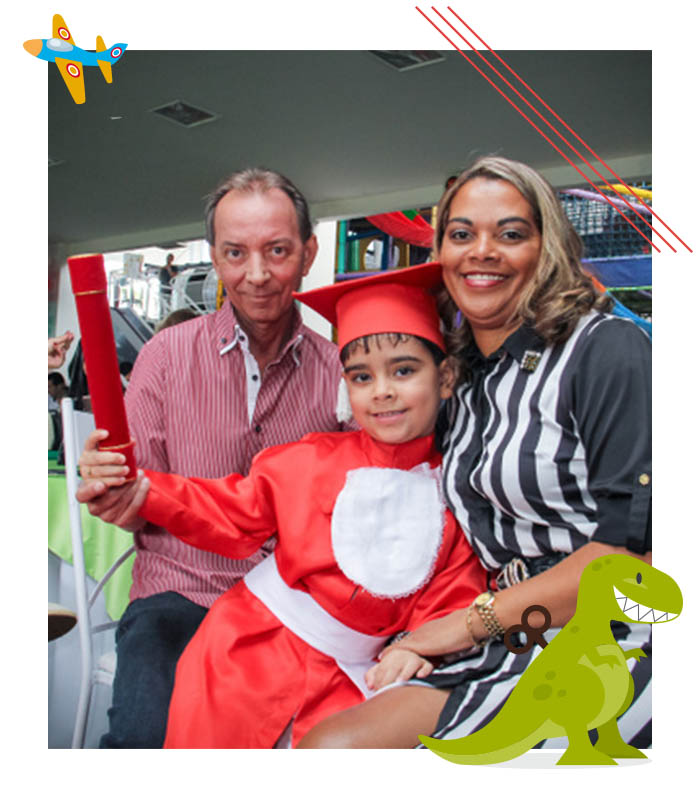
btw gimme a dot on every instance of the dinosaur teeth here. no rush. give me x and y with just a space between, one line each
639 612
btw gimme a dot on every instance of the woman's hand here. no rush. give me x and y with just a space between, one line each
396 664
118 505
448 634
107 466
556 590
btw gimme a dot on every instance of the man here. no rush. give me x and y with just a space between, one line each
204 397
57 390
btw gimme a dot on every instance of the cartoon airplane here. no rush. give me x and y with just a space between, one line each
71 60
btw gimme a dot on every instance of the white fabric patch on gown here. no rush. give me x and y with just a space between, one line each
386 528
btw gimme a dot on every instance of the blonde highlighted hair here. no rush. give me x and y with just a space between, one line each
560 293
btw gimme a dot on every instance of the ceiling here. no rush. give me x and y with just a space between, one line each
356 136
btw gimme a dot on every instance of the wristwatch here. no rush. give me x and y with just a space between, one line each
484 606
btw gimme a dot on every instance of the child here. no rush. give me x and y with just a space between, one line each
365 545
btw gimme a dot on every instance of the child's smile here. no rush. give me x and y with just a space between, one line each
395 388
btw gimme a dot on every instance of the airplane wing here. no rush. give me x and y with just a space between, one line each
105 66
72 74
60 29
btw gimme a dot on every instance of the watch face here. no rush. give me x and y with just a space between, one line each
483 599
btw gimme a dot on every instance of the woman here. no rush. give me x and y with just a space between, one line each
547 453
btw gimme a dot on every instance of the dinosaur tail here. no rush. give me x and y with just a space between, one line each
502 739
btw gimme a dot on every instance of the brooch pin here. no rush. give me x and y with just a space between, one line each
530 360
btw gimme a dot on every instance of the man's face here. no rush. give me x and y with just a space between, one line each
54 390
258 253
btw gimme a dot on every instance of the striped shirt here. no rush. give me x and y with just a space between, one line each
549 447
198 406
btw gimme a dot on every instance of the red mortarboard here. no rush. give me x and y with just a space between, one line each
396 301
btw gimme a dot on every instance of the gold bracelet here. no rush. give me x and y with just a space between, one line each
484 605
476 642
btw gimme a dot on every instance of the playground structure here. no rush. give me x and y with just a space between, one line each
615 255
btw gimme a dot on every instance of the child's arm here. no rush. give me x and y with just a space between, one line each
231 516
397 665
118 505
458 578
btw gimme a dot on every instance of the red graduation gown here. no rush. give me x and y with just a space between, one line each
244 676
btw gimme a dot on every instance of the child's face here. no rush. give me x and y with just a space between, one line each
395 389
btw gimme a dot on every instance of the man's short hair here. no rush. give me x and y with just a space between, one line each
57 379
257 179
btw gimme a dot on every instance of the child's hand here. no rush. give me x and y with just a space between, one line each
397 665
118 505
107 466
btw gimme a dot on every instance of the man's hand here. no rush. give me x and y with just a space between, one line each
107 466
58 346
119 505
397 665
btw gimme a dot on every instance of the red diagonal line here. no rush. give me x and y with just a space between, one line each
549 124
539 130
571 131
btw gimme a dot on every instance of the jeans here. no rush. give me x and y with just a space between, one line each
151 635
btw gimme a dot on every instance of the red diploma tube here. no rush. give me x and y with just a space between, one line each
87 275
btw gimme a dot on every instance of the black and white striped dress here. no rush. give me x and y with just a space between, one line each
544 452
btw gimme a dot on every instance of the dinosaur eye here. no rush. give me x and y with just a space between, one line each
639 577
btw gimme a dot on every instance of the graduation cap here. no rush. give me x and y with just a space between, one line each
395 301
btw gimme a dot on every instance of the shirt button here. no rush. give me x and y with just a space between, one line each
255 377
644 479
258 428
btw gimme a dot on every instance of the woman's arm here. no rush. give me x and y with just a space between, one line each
556 590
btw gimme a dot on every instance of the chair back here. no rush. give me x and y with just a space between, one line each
77 426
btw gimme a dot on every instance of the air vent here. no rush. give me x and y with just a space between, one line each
183 114
54 162
403 60
169 245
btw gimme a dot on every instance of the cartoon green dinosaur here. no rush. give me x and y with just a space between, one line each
580 681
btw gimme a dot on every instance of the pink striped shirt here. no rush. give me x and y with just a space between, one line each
195 408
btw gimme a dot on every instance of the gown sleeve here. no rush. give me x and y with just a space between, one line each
611 404
231 516
457 582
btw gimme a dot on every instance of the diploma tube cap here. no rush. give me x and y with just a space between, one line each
87 273
89 284
395 301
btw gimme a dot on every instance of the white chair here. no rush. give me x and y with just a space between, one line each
77 425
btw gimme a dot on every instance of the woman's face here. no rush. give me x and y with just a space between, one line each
489 253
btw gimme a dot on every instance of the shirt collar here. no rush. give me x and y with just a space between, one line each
228 333
523 340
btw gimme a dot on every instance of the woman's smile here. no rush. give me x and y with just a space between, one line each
483 280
